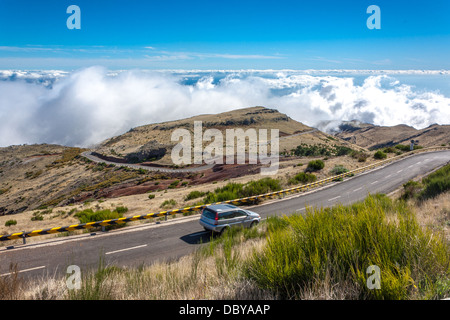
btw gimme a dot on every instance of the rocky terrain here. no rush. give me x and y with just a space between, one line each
153 142
373 137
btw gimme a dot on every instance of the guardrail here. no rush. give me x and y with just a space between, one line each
118 221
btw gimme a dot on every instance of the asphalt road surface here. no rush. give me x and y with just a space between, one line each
166 241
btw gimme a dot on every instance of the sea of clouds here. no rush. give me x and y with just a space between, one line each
84 107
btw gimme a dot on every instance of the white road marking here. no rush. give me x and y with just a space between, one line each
121 250
298 210
399 171
388 176
334 198
25 270
357 189
374 182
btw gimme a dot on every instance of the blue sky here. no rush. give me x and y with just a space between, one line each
231 34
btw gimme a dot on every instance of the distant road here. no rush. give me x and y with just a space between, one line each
90 156
146 244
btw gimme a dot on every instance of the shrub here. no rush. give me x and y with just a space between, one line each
315 165
411 189
151 196
121 210
174 184
342 151
389 150
433 185
88 215
238 190
436 183
168 204
380 155
316 150
335 246
303 177
10 223
37 216
339 169
360 155
403 147
194 195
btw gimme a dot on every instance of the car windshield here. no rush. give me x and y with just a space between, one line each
207 213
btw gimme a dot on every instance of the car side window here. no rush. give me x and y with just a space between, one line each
226 215
240 213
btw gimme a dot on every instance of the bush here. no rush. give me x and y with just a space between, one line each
315 165
121 210
238 190
194 195
151 196
433 185
174 184
335 247
316 150
342 151
403 147
389 150
303 177
380 155
436 183
88 215
411 189
168 204
10 223
37 216
360 155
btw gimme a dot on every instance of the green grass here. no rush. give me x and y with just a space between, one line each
430 187
89 215
10 223
380 155
359 155
302 177
315 165
168 204
436 183
194 195
315 150
339 244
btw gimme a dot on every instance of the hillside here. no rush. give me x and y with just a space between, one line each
43 185
153 141
372 137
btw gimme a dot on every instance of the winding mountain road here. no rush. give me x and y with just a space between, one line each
172 239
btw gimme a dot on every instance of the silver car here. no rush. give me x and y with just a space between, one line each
219 217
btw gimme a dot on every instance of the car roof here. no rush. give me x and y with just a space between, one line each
222 207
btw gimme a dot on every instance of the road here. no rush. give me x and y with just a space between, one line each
146 244
90 156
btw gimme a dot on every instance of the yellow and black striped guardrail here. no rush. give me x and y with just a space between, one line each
118 221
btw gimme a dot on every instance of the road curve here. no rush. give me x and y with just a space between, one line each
146 244
90 156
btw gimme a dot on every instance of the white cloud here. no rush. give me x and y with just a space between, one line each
87 106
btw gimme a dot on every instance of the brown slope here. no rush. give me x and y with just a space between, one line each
373 137
158 136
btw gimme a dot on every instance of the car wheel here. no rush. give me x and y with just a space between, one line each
254 223
223 230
